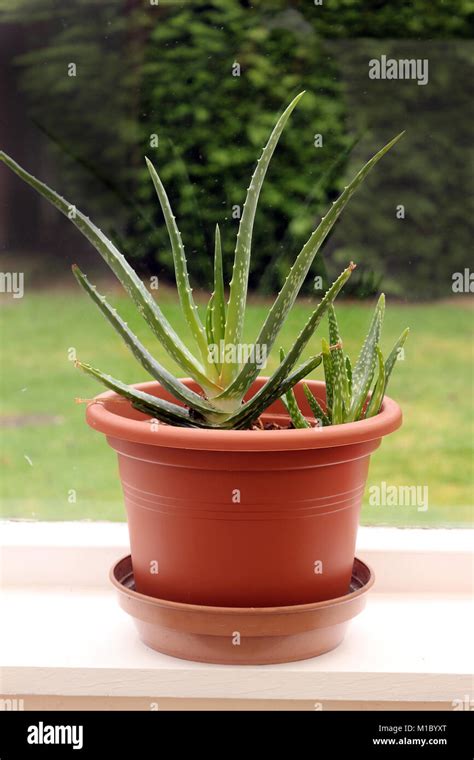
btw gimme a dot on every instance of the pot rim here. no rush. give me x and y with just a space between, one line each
250 611
101 417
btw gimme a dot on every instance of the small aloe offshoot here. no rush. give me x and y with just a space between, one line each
222 376
351 393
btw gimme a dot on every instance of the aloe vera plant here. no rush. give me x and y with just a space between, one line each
352 393
223 381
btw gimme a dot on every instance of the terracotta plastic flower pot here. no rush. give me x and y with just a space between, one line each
235 518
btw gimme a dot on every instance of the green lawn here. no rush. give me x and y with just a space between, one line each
47 451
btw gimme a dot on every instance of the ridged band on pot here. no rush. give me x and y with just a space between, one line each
241 518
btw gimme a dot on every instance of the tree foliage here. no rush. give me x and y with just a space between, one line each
161 80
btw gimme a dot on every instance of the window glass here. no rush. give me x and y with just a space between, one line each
89 88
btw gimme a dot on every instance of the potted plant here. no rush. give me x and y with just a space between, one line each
234 496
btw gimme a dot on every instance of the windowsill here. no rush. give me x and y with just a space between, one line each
65 635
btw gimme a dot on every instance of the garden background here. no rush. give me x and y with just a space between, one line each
197 86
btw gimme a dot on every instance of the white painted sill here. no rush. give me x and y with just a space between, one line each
63 633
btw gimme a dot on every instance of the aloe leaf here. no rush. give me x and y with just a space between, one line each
297 274
218 301
291 405
349 378
340 385
338 406
146 305
269 393
376 398
328 375
240 272
180 266
237 389
301 372
358 401
145 402
155 369
316 408
213 345
393 356
364 368
337 352
209 327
